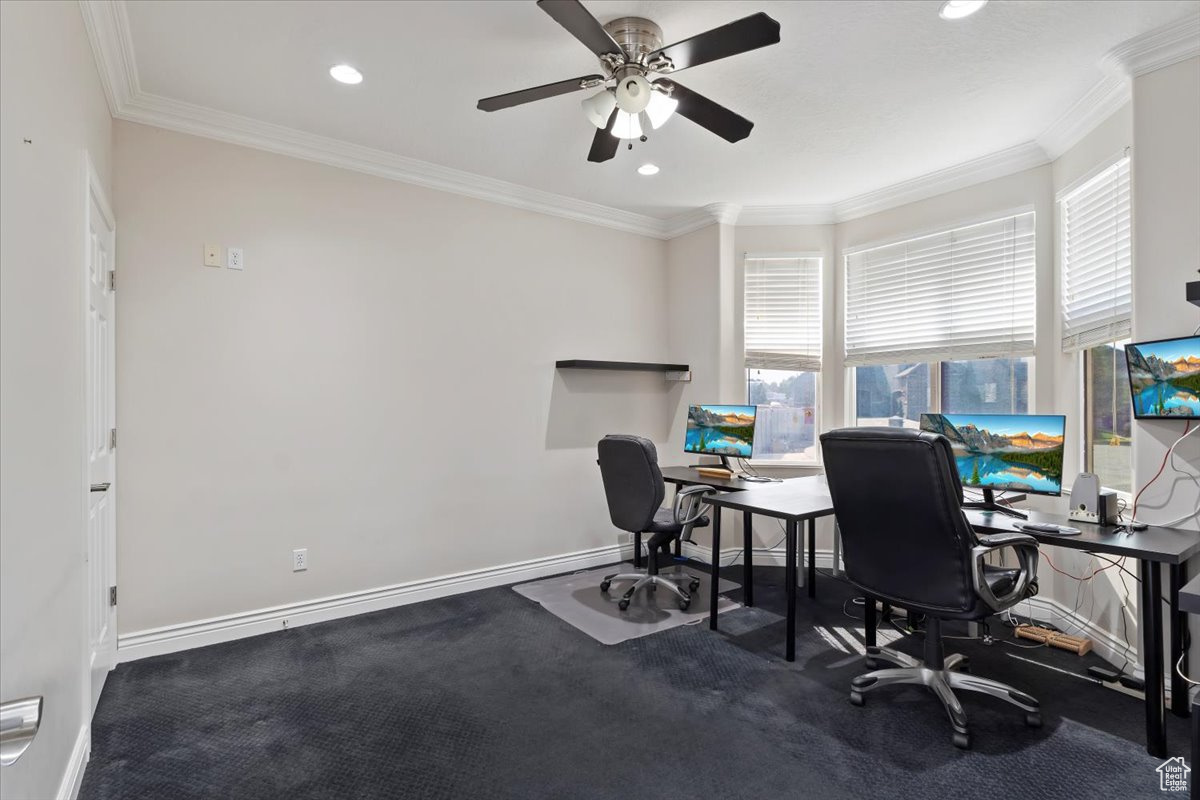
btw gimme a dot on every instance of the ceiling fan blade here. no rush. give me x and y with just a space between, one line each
704 112
536 93
750 33
582 25
604 144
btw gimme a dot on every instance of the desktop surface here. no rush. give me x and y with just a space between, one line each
1164 545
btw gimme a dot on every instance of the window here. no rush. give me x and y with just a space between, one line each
896 395
783 354
961 294
1107 416
1097 266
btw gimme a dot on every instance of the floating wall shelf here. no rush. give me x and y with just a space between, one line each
1193 293
672 372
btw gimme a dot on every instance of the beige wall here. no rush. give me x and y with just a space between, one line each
1166 251
377 386
51 96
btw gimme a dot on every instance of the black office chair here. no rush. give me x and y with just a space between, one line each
634 489
898 502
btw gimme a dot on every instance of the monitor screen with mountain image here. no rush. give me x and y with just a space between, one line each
721 430
1164 378
1004 452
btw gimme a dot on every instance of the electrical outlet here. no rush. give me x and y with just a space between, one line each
300 560
234 261
212 255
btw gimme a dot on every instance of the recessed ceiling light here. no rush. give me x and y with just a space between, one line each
648 169
344 73
959 9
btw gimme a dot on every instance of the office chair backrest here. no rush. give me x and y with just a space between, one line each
633 484
898 502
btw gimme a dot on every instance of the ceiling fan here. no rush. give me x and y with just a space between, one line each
633 96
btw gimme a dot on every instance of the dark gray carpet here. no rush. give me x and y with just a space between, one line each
486 695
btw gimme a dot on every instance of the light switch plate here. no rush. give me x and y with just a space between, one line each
235 258
212 255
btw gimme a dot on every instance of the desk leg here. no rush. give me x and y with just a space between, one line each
790 580
716 569
1194 783
1152 650
1177 577
748 558
812 557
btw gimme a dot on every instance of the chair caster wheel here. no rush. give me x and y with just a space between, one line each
623 604
1033 719
604 585
693 585
871 663
962 740
964 667
856 699
684 605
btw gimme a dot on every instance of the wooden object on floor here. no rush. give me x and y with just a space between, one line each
1075 644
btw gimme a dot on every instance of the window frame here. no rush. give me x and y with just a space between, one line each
792 460
1085 405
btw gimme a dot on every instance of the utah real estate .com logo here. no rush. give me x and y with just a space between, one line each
1173 775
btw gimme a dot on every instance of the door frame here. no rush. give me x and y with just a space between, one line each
93 191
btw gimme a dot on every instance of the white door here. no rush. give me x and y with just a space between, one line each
100 427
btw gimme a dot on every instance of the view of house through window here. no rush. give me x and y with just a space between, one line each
786 425
896 395
1108 416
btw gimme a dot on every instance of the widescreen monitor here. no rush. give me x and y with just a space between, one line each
1164 378
721 430
1005 452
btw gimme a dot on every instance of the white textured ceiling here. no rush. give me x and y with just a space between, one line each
859 94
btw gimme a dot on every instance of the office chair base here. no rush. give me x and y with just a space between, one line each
942 682
650 582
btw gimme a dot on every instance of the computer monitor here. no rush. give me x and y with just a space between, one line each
726 431
1004 452
1164 378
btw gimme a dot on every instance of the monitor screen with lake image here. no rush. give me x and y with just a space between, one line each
721 430
1164 378
1005 452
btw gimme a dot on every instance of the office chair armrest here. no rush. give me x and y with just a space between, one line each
693 498
1026 548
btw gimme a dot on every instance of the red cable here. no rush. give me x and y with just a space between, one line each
1161 467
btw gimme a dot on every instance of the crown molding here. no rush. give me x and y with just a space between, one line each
163 112
694 220
788 215
1100 103
1161 47
996 165
107 25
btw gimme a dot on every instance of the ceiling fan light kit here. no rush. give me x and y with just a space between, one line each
635 95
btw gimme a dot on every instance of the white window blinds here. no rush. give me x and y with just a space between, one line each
1097 260
959 294
783 313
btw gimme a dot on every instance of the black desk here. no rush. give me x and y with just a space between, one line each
793 501
1151 547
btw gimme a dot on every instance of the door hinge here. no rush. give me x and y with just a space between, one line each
112 595
112 439
112 280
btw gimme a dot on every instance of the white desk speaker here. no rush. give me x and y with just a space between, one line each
1090 502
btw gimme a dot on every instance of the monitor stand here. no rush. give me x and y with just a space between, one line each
723 465
989 504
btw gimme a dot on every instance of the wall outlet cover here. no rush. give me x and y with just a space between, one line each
235 259
212 255
300 560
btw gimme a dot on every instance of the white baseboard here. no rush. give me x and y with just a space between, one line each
73 777
173 638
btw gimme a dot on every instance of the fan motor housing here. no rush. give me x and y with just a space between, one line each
637 36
